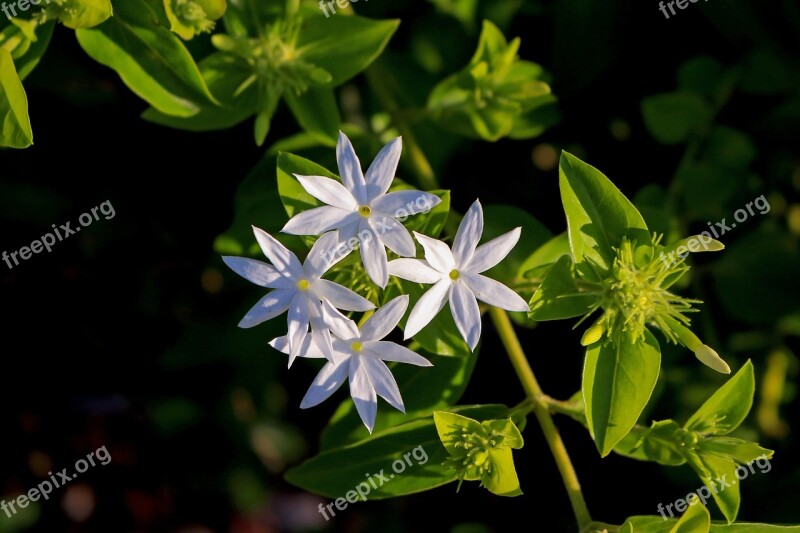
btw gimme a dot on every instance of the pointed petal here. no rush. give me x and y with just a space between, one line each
308 349
350 169
339 296
414 270
405 203
494 293
385 319
711 359
466 313
297 320
468 235
489 254
319 220
373 256
320 333
273 304
363 393
384 382
328 191
391 351
284 261
427 307
437 253
383 168
394 235
329 379
257 272
322 256
341 326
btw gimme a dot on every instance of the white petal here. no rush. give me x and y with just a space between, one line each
297 320
328 191
319 220
494 293
466 313
385 319
284 261
340 325
339 296
373 256
257 272
427 307
363 393
711 359
489 254
468 234
273 304
405 203
414 270
437 253
320 333
322 256
329 379
350 169
383 168
308 349
390 351
394 235
384 382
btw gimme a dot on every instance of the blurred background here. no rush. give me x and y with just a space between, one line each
125 335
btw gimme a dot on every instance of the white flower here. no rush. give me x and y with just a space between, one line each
299 289
361 209
359 356
457 277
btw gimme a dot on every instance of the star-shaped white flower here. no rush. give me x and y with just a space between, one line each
359 355
299 289
456 275
361 209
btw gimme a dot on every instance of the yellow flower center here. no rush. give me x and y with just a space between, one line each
357 346
364 211
303 284
454 275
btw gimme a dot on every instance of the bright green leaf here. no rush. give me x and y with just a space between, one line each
16 131
695 520
558 297
76 14
727 407
618 380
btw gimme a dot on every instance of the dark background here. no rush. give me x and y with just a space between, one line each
125 335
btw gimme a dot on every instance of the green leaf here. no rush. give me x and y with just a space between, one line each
695 520
31 58
76 14
224 75
503 479
343 45
718 473
673 117
150 60
618 380
316 111
598 214
425 390
657 524
16 132
741 451
335 472
558 297
539 262
725 410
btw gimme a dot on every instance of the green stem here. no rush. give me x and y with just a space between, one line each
534 392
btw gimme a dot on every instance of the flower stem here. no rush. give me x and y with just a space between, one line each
532 390
377 77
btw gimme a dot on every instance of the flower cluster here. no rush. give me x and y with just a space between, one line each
363 209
